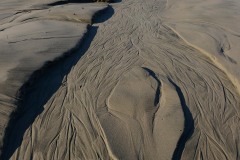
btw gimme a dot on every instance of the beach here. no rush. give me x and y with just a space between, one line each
156 79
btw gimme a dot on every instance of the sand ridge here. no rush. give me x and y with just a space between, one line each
32 34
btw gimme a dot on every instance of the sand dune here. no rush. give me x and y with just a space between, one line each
216 23
150 80
31 37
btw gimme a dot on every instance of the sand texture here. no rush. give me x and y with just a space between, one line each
31 36
142 80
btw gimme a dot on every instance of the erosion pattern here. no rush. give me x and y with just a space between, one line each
32 34
138 92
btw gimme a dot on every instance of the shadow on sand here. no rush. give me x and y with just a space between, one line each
57 3
41 86
188 125
157 97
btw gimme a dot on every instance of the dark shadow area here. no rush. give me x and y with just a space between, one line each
103 15
188 124
58 3
151 73
80 1
38 90
116 1
69 1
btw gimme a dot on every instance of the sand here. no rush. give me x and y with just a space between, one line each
144 80
34 34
